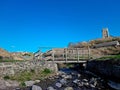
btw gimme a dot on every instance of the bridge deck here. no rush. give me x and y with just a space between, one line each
69 61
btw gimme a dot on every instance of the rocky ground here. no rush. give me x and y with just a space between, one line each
70 80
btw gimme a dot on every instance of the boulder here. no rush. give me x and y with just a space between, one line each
35 87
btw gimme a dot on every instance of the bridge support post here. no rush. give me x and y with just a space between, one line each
78 54
66 55
53 55
88 52
63 56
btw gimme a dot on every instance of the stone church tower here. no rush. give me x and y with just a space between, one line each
105 33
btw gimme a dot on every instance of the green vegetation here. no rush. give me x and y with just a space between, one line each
29 75
46 71
69 65
111 57
6 77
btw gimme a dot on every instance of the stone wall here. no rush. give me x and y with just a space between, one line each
10 68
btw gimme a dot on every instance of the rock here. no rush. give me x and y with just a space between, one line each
37 81
68 77
35 87
80 84
76 81
29 83
2 85
86 83
68 88
63 81
50 88
7 84
73 73
85 80
93 82
10 83
114 85
91 85
59 85
17 89
63 76
78 75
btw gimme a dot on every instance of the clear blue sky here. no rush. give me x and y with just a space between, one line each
26 25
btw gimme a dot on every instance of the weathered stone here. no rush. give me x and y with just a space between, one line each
76 81
68 77
63 81
114 85
17 89
63 76
29 83
35 87
59 85
91 85
11 83
37 81
50 88
2 85
78 75
80 84
69 88
85 80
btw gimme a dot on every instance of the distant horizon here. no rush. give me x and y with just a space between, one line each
26 25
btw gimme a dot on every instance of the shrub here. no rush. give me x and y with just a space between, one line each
22 84
46 71
6 77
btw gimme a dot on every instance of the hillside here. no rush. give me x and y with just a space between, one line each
5 55
100 47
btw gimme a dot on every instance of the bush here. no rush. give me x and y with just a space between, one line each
6 77
46 71
22 84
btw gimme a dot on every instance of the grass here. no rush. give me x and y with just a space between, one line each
113 57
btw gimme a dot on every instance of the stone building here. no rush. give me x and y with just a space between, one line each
105 33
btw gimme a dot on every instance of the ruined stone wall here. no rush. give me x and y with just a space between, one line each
10 68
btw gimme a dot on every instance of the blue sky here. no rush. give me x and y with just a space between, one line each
26 25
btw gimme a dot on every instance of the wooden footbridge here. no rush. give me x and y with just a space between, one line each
65 55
